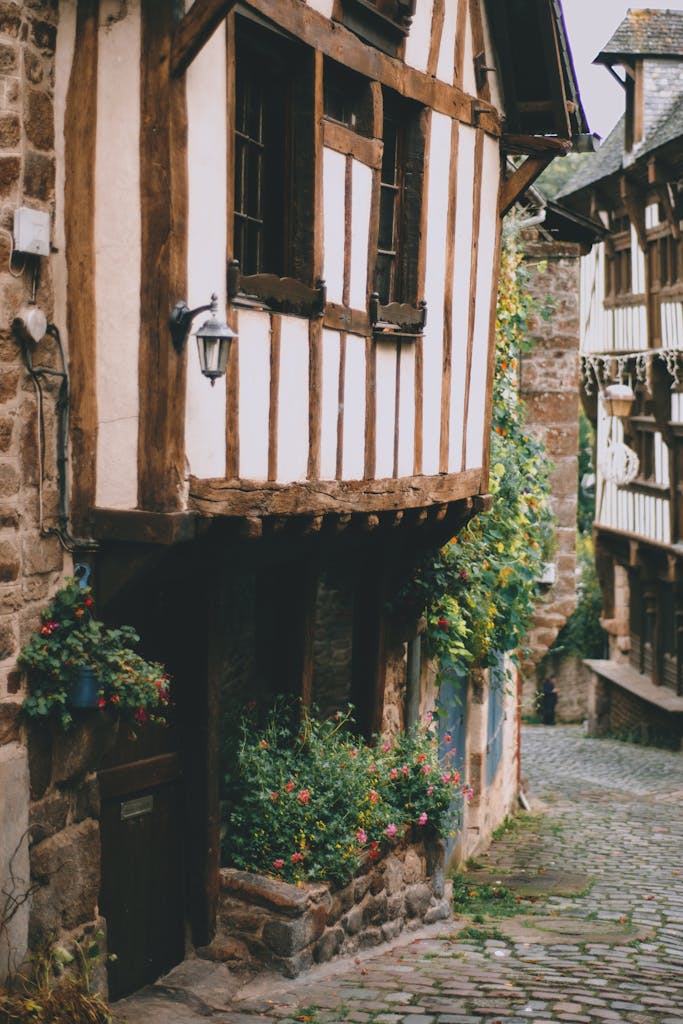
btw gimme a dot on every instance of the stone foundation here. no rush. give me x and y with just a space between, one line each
289 927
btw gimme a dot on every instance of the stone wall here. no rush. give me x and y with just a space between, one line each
550 388
614 711
290 927
30 564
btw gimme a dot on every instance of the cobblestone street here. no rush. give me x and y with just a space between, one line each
612 831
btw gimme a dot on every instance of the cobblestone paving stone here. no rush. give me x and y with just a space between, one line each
613 812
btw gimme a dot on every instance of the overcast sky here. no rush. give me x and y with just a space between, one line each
590 23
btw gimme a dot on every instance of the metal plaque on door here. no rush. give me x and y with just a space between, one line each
137 807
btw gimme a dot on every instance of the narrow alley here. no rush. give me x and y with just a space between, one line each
597 936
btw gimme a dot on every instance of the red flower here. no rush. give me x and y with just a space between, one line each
421 758
263 744
89 602
290 786
374 850
296 857
443 624
141 716
304 796
101 703
447 738
274 796
279 863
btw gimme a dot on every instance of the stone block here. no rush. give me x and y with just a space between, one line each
67 867
413 867
48 816
292 966
39 175
10 20
9 58
9 722
6 431
39 119
418 897
375 909
44 35
14 857
340 903
10 131
353 921
34 67
377 882
329 945
8 640
286 937
10 170
9 480
441 912
393 875
225 950
370 937
10 562
396 907
264 892
9 518
42 555
360 887
391 929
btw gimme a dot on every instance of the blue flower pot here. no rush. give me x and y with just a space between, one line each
85 689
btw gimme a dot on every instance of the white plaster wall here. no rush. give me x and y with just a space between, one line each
461 292
361 193
677 408
117 258
637 264
469 82
207 246
66 38
353 461
322 6
406 419
488 223
419 38
437 205
14 859
493 77
445 68
386 407
334 176
672 325
330 405
292 426
254 392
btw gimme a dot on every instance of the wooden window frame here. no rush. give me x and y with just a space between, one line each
284 279
383 23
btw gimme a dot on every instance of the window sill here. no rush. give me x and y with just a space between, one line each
648 487
274 294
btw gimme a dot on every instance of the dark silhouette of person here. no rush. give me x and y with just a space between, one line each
549 700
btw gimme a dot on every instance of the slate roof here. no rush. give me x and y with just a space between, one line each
669 128
645 33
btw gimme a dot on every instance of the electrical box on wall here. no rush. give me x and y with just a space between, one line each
31 231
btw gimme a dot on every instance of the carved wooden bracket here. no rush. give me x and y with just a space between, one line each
281 294
397 319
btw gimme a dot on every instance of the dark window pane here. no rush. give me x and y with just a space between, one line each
387 216
383 275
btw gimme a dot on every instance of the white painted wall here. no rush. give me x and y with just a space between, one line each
437 191
117 259
488 222
637 265
361 193
461 292
322 6
386 406
406 416
254 394
419 38
66 38
672 325
469 82
353 460
334 190
330 404
207 246
292 455
446 65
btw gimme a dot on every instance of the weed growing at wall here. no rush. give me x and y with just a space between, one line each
480 590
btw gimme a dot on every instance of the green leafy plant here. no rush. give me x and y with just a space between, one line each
309 800
479 592
71 639
582 635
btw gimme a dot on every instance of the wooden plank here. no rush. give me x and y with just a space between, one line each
163 277
343 140
534 145
232 374
340 407
274 404
447 355
195 30
315 388
254 498
341 318
337 42
459 55
370 408
147 774
373 233
479 43
80 122
474 267
491 362
318 192
550 53
138 527
520 180
438 15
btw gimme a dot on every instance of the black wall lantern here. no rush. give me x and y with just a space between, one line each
213 337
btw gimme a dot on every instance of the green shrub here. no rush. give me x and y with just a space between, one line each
310 800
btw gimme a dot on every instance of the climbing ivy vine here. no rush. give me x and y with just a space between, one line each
479 591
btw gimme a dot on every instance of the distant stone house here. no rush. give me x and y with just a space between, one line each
334 172
632 334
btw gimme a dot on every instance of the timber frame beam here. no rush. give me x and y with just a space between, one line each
635 208
525 175
658 177
195 29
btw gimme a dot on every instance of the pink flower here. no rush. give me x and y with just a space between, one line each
386 747
393 774
362 836
372 768
354 752
391 831
423 819
430 790
374 796
263 744
304 796
455 778
296 857
404 769
289 786
426 768
446 777
428 717
468 793
279 863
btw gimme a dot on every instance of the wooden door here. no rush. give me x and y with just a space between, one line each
142 870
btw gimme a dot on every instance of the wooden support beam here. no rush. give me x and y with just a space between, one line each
635 208
534 145
525 175
196 28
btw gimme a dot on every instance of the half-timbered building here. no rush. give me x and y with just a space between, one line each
332 171
632 335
